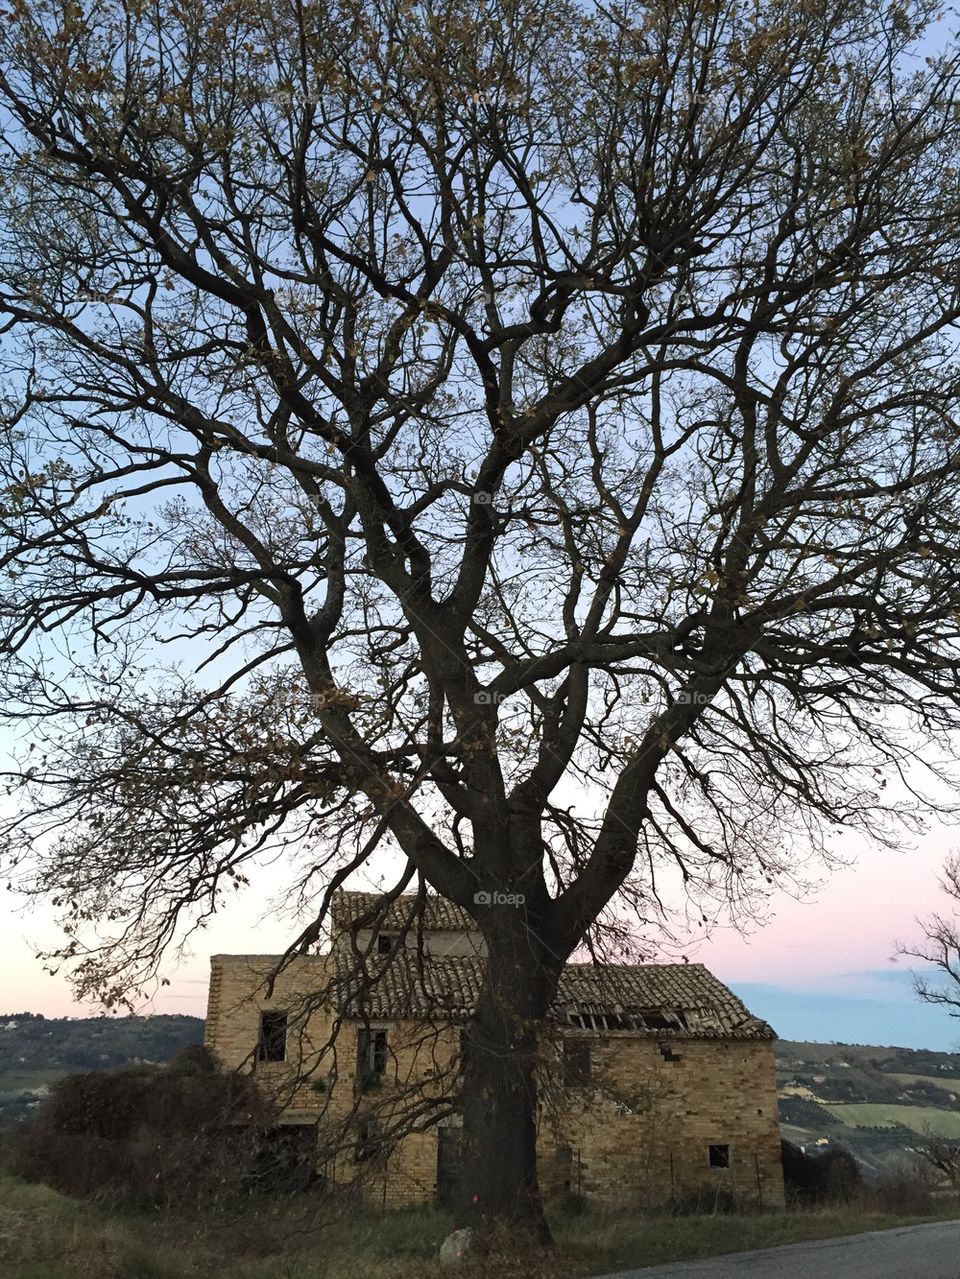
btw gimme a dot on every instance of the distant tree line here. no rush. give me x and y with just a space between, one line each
94 1043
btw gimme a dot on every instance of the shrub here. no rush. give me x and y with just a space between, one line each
833 1177
152 1136
901 1194
942 1158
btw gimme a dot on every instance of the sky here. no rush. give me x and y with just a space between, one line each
824 969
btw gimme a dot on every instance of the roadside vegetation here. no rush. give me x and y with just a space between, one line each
171 1172
174 1172
45 1235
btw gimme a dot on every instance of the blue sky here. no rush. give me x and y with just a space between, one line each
877 1007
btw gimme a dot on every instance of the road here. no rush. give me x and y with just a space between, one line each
912 1252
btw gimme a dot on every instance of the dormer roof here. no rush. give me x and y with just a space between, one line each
436 913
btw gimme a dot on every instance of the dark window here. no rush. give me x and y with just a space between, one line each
285 1158
719 1156
449 1163
576 1062
371 1054
368 1145
273 1036
384 942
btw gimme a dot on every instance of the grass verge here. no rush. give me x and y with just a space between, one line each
44 1235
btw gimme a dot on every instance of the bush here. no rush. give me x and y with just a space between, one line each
815 1180
153 1136
902 1195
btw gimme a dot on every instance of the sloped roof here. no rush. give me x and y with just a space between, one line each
439 914
706 1006
592 996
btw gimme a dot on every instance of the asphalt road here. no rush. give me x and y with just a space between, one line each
913 1252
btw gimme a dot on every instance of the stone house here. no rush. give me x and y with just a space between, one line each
656 1080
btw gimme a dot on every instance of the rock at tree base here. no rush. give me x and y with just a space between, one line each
455 1247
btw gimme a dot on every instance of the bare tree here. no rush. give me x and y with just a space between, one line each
940 948
943 1156
518 439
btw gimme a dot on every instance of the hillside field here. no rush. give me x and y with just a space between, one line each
948 1085
873 1101
920 1119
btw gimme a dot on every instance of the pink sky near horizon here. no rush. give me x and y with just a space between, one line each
849 927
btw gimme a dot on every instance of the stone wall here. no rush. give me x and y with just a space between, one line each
318 1082
642 1127
238 995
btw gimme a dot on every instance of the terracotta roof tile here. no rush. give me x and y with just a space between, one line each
683 1000
407 986
706 1005
438 913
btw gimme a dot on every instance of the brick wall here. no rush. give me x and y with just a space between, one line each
319 1083
641 1128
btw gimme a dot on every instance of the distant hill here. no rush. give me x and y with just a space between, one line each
880 1103
36 1050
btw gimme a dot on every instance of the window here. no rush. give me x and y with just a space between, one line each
368 1145
384 942
719 1156
371 1055
449 1163
286 1158
272 1045
576 1062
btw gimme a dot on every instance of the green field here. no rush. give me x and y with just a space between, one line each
939 1081
920 1119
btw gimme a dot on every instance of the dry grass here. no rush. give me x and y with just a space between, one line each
44 1235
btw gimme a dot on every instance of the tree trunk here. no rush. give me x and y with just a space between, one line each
498 1179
